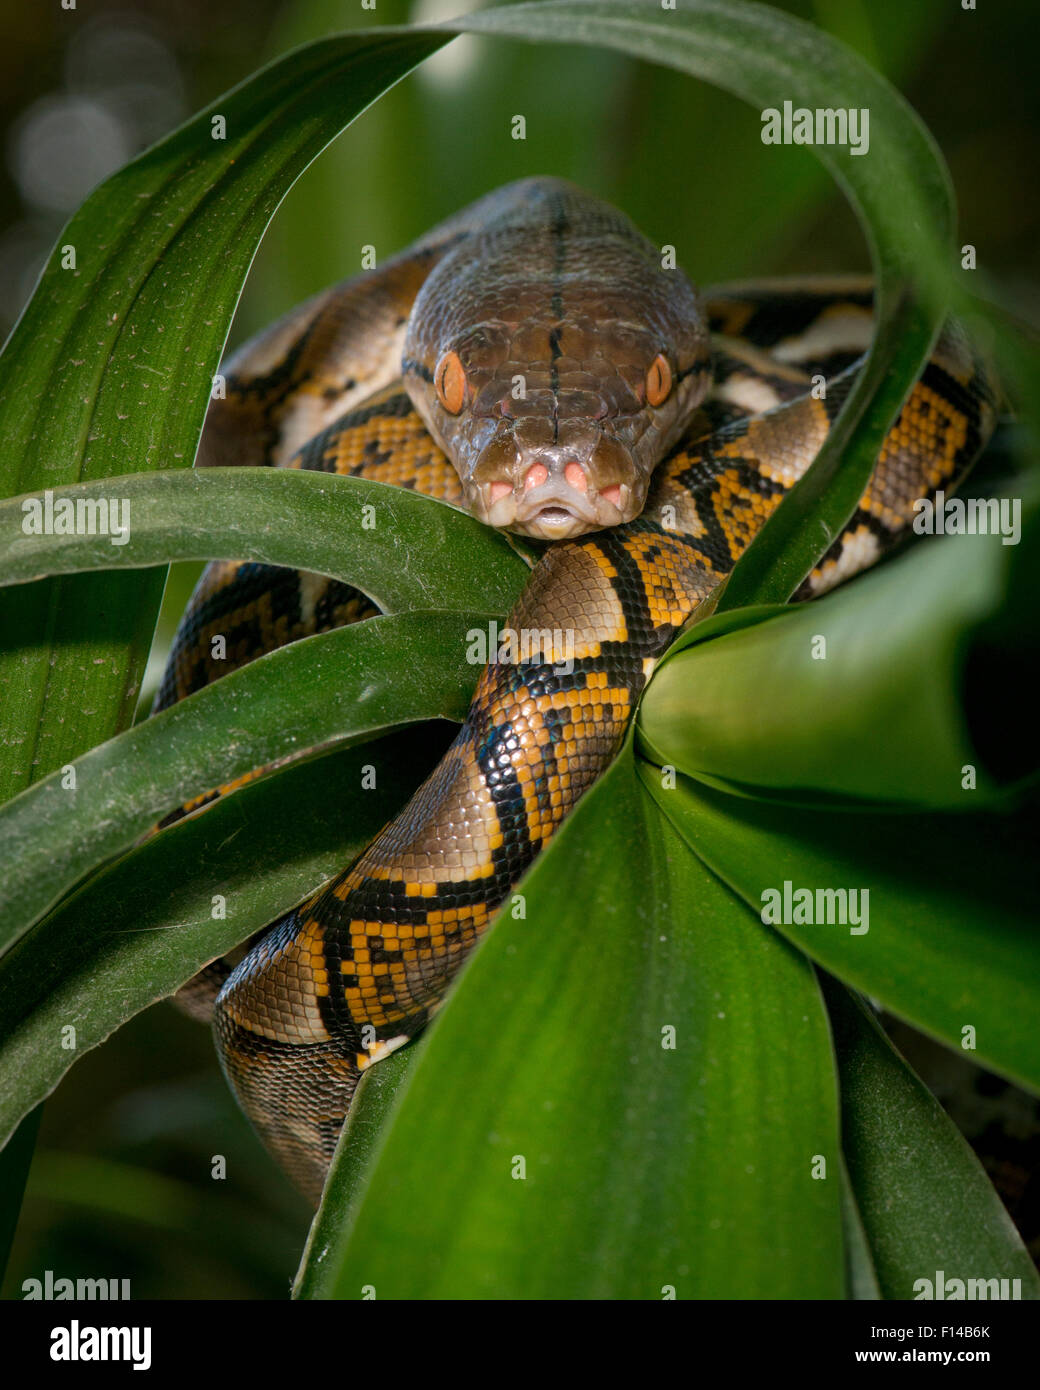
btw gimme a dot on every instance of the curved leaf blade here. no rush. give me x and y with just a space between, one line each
303 520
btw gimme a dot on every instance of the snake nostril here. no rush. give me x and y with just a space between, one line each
612 494
536 476
575 475
500 490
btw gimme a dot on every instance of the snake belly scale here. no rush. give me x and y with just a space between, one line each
532 360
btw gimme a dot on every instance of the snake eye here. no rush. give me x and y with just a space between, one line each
658 380
449 381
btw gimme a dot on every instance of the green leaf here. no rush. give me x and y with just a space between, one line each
351 682
951 940
108 370
140 928
644 1167
884 691
229 514
926 1203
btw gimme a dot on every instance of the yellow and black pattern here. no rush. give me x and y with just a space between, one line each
362 965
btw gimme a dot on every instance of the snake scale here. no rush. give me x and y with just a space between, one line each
536 360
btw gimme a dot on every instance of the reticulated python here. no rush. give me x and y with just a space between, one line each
533 360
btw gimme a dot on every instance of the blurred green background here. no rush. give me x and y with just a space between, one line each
121 1185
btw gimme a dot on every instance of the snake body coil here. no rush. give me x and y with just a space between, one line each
620 398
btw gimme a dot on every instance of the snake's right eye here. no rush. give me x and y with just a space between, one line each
449 381
659 380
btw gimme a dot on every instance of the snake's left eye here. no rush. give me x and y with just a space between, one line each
658 380
449 381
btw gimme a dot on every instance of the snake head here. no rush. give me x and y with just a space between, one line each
556 368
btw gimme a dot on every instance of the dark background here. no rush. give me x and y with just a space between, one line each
121 1183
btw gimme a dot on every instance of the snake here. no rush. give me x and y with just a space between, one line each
537 361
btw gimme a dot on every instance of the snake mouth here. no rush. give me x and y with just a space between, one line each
560 517
561 513
554 523
555 516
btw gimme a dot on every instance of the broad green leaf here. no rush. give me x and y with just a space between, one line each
551 1144
926 1202
140 928
884 691
343 684
108 370
415 552
951 941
